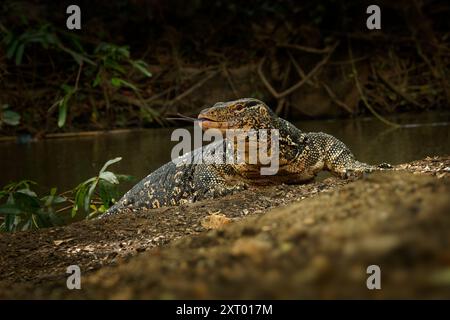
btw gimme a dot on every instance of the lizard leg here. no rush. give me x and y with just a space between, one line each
216 182
341 161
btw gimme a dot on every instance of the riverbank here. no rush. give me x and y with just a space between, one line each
300 58
302 241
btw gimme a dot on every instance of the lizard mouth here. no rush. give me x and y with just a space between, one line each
208 123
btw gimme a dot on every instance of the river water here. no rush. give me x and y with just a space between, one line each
66 162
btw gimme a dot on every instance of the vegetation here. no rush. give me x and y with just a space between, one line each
8 117
23 209
104 68
122 72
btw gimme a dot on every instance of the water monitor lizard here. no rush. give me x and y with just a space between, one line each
301 156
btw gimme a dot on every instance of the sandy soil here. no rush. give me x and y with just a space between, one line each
302 241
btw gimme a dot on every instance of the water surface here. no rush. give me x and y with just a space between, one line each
68 161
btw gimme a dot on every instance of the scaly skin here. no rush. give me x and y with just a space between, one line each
301 156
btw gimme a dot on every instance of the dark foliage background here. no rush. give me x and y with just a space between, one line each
135 62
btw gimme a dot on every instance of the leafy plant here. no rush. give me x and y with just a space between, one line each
112 57
44 35
105 66
22 209
105 182
69 91
8 117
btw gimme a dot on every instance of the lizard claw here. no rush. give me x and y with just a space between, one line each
385 165
352 174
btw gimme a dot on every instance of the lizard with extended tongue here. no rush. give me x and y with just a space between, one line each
301 156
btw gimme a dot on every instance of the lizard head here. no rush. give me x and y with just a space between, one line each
243 114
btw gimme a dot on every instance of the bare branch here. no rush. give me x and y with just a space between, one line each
296 86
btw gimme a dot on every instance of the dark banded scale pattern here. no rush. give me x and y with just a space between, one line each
301 156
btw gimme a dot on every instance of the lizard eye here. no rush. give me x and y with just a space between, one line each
238 107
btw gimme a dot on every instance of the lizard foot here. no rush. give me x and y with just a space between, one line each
385 165
354 174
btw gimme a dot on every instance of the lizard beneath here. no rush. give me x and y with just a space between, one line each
301 156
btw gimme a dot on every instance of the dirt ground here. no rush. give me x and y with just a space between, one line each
297 241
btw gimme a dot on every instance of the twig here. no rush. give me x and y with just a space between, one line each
106 96
335 98
264 79
168 90
391 86
438 72
230 81
341 62
299 70
296 86
361 93
280 106
282 102
159 95
53 106
305 48
77 80
194 87
64 209
78 76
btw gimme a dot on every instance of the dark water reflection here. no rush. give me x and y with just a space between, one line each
66 162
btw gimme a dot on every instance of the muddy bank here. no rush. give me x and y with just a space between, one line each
43 255
310 241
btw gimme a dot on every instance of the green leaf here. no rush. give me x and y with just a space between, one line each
116 82
129 85
10 117
124 51
59 199
28 192
124 177
52 198
9 222
62 112
112 64
108 193
26 202
79 198
12 49
63 104
24 184
108 163
53 191
9 209
67 89
76 56
87 198
109 176
19 54
142 67
97 80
